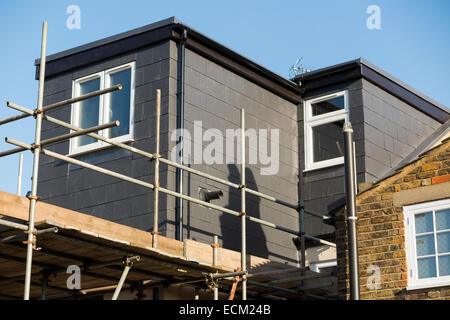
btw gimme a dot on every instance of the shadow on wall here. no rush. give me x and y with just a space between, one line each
231 225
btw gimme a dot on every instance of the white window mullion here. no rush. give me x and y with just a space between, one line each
435 243
73 116
414 247
101 115
106 102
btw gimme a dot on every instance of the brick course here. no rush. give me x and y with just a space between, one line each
381 231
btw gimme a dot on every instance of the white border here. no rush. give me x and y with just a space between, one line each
311 121
74 119
103 104
410 245
131 66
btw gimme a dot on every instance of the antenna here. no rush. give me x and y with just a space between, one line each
298 68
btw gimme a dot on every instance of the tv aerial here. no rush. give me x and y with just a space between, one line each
298 68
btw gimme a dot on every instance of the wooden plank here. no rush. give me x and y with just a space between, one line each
17 207
46 214
170 246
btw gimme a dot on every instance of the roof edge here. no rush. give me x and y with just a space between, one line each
113 38
176 25
362 68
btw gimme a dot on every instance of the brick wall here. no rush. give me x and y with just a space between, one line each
381 232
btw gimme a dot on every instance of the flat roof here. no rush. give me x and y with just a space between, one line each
172 29
361 68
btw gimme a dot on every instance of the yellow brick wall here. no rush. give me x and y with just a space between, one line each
381 232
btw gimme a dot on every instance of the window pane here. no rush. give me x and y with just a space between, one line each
120 103
443 219
424 222
328 141
443 242
88 110
328 106
426 268
444 266
425 245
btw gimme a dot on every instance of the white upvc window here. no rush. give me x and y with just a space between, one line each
427 232
324 118
117 105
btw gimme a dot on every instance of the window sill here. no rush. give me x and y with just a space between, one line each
324 164
418 286
100 148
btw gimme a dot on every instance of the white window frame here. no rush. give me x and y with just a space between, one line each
311 121
410 242
316 266
104 101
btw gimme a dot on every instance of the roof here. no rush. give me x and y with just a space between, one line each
172 29
361 68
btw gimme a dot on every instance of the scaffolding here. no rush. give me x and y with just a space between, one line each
212 278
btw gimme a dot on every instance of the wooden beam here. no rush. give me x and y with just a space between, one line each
15 206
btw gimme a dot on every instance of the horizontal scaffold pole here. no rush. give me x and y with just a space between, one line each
152 156
81 98
13 225
64 137
82 164
163 190
92 135
61 103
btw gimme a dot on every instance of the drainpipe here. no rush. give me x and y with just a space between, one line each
180 126
351 210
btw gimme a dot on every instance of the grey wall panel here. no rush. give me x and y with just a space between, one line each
324 189
93 193
215 96
393 129
386 130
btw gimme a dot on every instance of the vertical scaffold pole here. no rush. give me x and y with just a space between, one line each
302 237
243 209
156 190
215 263
33 198
19 175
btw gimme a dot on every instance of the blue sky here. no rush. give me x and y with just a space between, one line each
413 43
